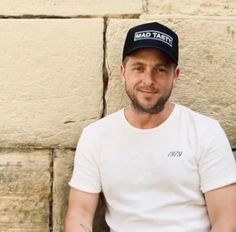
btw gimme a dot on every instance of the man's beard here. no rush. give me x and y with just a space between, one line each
157 107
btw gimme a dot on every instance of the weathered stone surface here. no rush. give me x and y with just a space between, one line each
51 80
207 62
24 190
63 166
70 8
197 7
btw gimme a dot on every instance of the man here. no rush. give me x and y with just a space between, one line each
161 166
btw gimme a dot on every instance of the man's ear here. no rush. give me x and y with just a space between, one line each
176 75
122 73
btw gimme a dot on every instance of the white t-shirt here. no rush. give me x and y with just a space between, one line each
154 179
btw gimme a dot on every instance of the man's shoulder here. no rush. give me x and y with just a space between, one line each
109 121
197 118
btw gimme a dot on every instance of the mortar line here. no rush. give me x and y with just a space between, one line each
28 16
145 6
105 76
124 16
50 216
26 147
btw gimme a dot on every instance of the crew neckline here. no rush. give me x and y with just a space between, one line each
163 124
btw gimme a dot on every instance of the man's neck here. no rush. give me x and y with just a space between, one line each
144 120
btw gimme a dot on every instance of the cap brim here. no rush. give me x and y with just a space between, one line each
152 46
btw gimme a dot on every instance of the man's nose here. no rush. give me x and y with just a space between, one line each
148 78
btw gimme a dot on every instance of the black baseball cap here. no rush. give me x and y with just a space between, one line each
152 35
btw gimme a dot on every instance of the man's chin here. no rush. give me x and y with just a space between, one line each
148 109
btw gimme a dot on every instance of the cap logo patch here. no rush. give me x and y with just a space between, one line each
154 35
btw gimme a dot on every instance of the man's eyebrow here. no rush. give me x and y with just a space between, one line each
137 63
165 64
162 65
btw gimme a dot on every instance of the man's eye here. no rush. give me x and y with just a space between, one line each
139 69
160 69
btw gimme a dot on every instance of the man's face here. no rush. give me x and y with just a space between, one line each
149 77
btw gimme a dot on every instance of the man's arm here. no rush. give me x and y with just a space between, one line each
221 205
81 210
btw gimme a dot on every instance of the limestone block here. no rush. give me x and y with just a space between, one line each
207 63
51 80
70 8
63 166
193 7
24 190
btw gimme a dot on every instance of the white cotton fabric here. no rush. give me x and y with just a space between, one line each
154 179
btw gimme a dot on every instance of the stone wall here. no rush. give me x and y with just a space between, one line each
59 71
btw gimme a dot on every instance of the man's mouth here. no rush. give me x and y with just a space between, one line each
148 91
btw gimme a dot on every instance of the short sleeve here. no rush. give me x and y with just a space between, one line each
217 166
86 175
